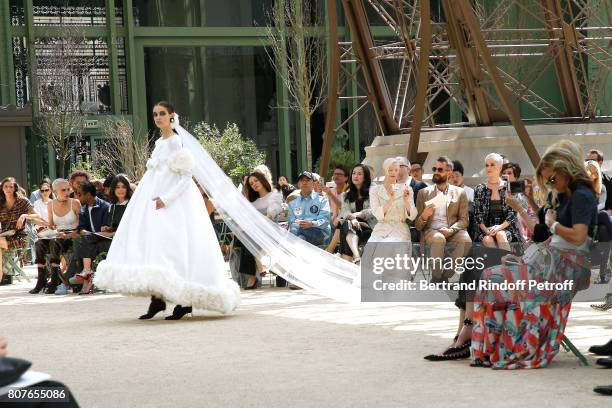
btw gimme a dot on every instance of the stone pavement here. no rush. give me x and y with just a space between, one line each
281 348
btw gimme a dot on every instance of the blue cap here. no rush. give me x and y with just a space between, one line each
305 174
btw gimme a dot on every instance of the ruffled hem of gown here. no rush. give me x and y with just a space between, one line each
147 280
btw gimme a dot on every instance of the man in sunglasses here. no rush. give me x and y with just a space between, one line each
446 221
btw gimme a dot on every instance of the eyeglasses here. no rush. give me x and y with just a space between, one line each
438 169
552 180
46 190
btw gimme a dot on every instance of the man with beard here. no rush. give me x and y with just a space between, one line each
443 218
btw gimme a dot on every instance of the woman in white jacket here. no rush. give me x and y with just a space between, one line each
392 204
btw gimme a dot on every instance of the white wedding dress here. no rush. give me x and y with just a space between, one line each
173 252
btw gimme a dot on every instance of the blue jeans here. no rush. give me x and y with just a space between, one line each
314 236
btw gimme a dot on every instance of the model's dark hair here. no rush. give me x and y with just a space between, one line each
353 192
167 105
251 194
120 178
15 193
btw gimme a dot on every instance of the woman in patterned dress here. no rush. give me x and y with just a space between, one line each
496 221
14 210
523 328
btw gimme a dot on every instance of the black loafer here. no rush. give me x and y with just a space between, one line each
603 389
606 362
603 350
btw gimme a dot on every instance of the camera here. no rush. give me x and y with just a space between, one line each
516 186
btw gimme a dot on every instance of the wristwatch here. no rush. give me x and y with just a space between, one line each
553 226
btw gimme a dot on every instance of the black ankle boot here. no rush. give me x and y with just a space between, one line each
156 306
42 280
55 280
179 311
603 350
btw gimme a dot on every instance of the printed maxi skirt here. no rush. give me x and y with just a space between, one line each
523 328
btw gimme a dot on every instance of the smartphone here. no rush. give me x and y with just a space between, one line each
517 186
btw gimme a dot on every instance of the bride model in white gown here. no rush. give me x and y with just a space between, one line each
165 245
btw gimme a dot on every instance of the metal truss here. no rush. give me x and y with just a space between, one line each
488 58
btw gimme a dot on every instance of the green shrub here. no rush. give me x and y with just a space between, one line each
235 154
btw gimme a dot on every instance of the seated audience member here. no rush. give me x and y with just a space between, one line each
106 188
497 223
35 196
355 216
93 216
285 187
416 186
416 171
443 224
267 202
606 179
524 328
511 172
392 205
63 213
309 213
41 205
340 179
265 170
459 180
76 178
14 211
120 194
604 220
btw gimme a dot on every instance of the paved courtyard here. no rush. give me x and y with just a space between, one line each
281 348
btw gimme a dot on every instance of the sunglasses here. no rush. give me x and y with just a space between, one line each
552 180
46 190
438 169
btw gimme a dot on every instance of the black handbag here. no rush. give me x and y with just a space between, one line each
11 369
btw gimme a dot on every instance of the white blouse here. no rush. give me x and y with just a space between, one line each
271 204
42 208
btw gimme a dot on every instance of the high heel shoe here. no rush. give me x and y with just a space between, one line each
89 291
157 305
179 311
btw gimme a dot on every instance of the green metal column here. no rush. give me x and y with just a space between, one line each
301 142
111 26
7 73
130 55
283 118
32 68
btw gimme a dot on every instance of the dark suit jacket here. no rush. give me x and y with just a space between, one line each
416 187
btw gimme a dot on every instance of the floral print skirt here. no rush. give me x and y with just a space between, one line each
523 328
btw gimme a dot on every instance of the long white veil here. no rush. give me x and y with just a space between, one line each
288 256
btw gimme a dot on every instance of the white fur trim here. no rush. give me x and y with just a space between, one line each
147 280
181 161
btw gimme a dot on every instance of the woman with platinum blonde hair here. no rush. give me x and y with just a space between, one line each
392 204
496 221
